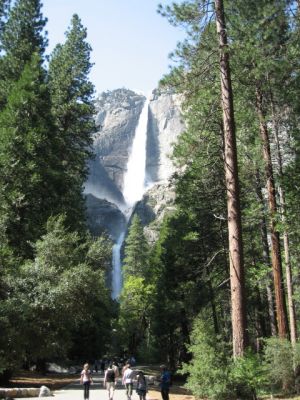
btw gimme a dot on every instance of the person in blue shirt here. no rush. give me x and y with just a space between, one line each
165 382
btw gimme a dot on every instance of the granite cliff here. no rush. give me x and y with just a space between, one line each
117 117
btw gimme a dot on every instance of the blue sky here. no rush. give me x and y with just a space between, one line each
130 41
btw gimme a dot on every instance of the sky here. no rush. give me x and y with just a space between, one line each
130 40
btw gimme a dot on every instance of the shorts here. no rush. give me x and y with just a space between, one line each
110 385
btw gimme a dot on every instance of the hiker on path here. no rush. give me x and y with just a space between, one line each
116 369
102 366
128 381
165 382
109 381
86 379
126 365
141 385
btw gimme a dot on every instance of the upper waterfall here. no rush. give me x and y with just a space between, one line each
134 178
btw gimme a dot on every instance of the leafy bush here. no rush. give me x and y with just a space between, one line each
213 374
280 362
247 376
208 373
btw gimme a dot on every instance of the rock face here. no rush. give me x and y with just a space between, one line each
164 126
104 216
156 203
117 117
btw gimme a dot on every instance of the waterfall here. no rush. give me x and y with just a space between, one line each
116 270
134 179
133 190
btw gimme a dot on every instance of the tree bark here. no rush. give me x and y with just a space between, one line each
213 307
276 254
288 267
238 301
266 255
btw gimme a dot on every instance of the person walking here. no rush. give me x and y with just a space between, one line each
128 381
102 366
141 385
115 366
165 382
109 381
86 379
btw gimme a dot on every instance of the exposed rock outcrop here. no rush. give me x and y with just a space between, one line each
117 117
164 126
156 203
104 217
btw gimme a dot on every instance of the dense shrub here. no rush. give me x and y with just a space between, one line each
208 373
281 362
213 374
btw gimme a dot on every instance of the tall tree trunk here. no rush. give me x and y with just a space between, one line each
288 267
213 307
266 255
276 255
237 280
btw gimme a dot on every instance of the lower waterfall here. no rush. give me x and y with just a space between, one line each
133 190
117 270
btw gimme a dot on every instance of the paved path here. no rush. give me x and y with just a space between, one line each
74 391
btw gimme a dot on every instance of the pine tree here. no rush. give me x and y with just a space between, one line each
194 14
21 38
237 279
73 109
27 159
136 250
4 6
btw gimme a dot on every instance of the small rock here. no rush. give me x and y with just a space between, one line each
44 391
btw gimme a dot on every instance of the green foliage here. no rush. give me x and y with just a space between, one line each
213 374
247 376
135 306
52 297
136 250
27 159
281 360
208 373
22 37
73 112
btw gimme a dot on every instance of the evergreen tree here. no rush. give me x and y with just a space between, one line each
136 250
73 110
138 290
4 6
44 296
27 159
21 38
191 14
236 257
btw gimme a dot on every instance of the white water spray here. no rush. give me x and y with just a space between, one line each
134 179
116 270
133 190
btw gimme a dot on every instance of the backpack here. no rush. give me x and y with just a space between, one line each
110 375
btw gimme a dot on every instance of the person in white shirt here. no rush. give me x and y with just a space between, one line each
86 380
128 381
